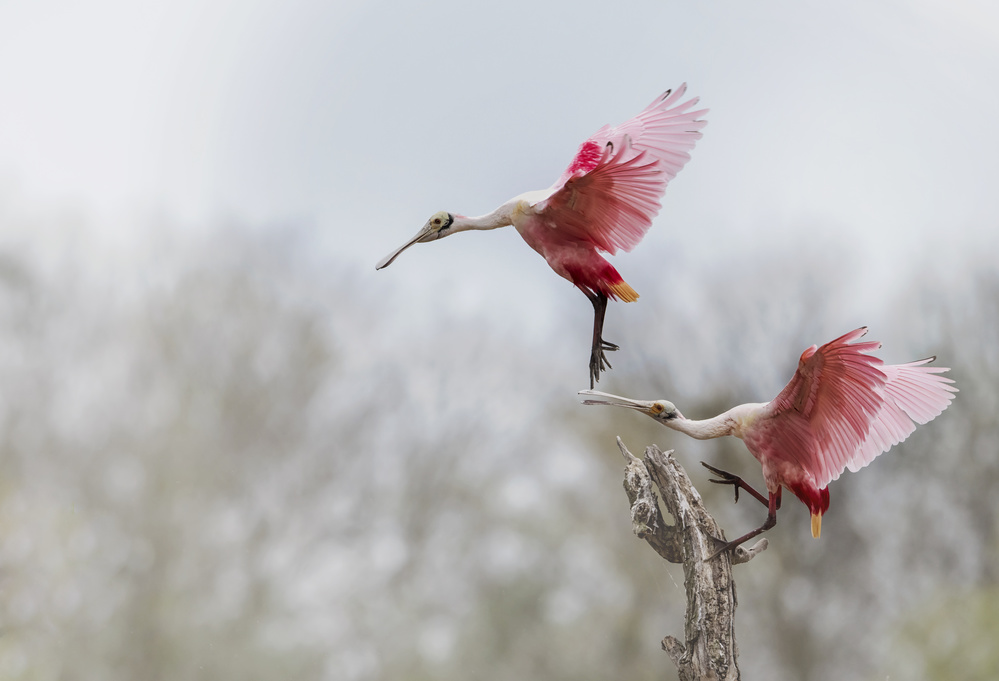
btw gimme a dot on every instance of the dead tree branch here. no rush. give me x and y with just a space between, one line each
709 650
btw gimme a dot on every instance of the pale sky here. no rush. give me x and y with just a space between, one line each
850 139
867 123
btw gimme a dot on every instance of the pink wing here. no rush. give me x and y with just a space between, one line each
610 192
844 407
913 394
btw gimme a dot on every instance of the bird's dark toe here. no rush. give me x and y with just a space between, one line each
721 546
594 371
716 471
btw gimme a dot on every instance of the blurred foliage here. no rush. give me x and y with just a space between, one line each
229 461
951 637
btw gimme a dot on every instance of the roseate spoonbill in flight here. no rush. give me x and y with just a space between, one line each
604 201
842 408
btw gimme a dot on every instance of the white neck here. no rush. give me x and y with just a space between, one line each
718 426
730 422
501 217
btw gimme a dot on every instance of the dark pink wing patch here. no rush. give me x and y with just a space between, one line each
586 159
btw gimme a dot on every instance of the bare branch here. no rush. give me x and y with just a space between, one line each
646 518
710 650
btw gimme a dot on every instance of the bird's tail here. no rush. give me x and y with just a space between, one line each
622 291
817 501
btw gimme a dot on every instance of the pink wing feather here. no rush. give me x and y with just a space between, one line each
844 407
913 394
610 192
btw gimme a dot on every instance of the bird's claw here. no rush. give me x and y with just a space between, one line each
740 554
726 479
738 483
723 547
599 362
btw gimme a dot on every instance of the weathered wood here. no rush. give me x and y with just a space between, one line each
709 650
646 518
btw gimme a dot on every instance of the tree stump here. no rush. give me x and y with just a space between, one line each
709 650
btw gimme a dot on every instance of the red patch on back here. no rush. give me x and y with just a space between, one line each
587 158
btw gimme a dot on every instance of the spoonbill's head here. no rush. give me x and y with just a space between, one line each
660 410
439 225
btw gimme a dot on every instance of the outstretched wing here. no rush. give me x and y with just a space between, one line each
844 407
610 192
913 394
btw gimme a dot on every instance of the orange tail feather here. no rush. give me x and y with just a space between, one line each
622 291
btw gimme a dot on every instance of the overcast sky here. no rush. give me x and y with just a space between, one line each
868 124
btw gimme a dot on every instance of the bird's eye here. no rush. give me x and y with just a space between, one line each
657 409
437 221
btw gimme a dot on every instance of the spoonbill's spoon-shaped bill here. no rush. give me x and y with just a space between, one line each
429 232
603 202
842 409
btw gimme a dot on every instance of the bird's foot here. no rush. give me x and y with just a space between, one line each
740 554
599 361
721 547
732 545
736 482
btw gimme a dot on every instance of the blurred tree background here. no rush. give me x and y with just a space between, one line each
230 459
229 449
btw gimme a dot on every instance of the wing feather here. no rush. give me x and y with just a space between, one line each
610 192
844 407
914 393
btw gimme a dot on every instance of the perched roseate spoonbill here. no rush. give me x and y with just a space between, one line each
604 201
842 408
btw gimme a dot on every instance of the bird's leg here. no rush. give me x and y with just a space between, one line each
737 482
772 505
598 361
